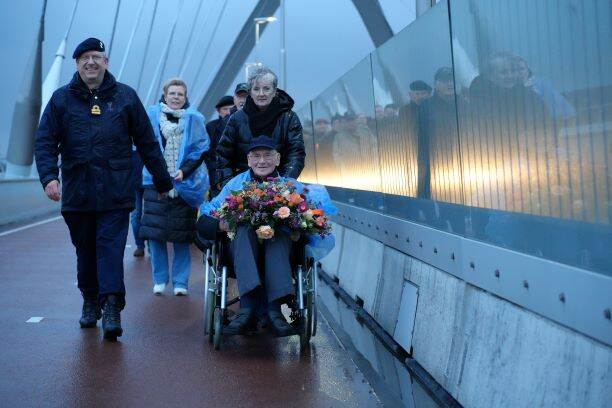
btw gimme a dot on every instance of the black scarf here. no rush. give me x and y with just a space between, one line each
262 122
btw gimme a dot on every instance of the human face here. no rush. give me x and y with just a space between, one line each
263 162
240 99
224 110
503 73
262 93
91 66
321 127
445 88
419 96
176 96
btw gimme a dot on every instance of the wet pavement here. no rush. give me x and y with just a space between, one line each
163 358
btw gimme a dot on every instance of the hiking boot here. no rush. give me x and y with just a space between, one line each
91 312
111 319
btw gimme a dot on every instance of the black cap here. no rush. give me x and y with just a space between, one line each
419 85
224 101
242 87
444 74
90 44
262 142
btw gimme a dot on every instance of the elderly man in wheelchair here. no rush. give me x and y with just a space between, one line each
262 267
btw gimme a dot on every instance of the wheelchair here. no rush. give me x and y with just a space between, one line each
217 271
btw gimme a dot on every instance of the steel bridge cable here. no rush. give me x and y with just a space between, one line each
110 48
207 49
146 53
130 41
185 60
161 65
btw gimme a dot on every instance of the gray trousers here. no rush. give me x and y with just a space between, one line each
246 251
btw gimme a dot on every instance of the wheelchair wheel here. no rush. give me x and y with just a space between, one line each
218 329
304 330
209 296
315 288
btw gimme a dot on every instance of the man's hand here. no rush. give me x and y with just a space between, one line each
178 176
52 190
223 226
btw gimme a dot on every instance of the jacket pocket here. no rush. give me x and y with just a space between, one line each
74 186
122 180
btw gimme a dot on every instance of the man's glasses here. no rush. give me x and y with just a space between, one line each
266 157
94 58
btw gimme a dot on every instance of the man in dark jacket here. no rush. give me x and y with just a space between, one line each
214 128
267 111
92 123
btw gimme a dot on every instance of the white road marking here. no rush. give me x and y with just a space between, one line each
29 226
34 320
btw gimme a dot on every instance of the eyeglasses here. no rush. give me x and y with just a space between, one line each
94 58
266 157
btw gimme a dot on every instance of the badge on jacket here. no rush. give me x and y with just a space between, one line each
95 110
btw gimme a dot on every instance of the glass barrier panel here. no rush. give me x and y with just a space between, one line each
534 82
345 137
309 174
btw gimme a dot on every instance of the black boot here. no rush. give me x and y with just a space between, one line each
243 322
91 312
279 325
111 319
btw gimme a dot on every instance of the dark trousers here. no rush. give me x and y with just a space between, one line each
136 216
246 254
99 238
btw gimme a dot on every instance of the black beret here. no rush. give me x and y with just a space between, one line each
419 85
225 101
90 44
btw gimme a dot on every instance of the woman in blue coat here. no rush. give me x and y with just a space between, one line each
181 133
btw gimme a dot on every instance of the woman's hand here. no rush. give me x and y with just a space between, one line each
223 226
178 176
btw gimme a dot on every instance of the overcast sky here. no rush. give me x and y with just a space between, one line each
324 38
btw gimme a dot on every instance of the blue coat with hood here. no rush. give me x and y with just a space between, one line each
96 150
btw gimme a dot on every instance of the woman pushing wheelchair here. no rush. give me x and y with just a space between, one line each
263 214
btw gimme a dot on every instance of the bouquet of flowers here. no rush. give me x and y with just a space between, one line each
272 204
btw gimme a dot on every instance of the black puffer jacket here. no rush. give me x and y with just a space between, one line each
93 131
234 143
167 219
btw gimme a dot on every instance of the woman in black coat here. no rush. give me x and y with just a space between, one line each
267 111
182 135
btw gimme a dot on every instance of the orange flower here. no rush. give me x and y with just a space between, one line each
318 211
295 199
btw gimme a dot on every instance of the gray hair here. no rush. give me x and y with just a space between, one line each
260 74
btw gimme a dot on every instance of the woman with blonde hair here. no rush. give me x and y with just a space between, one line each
182 136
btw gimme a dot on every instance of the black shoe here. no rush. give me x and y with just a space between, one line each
91 312
244 322
139 252
111 319
264 322
279 325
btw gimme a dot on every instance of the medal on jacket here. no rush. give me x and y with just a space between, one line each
95 110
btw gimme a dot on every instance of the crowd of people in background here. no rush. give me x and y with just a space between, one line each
422 127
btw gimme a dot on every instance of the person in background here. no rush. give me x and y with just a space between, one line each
214 128
181 134
267 111
136 215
